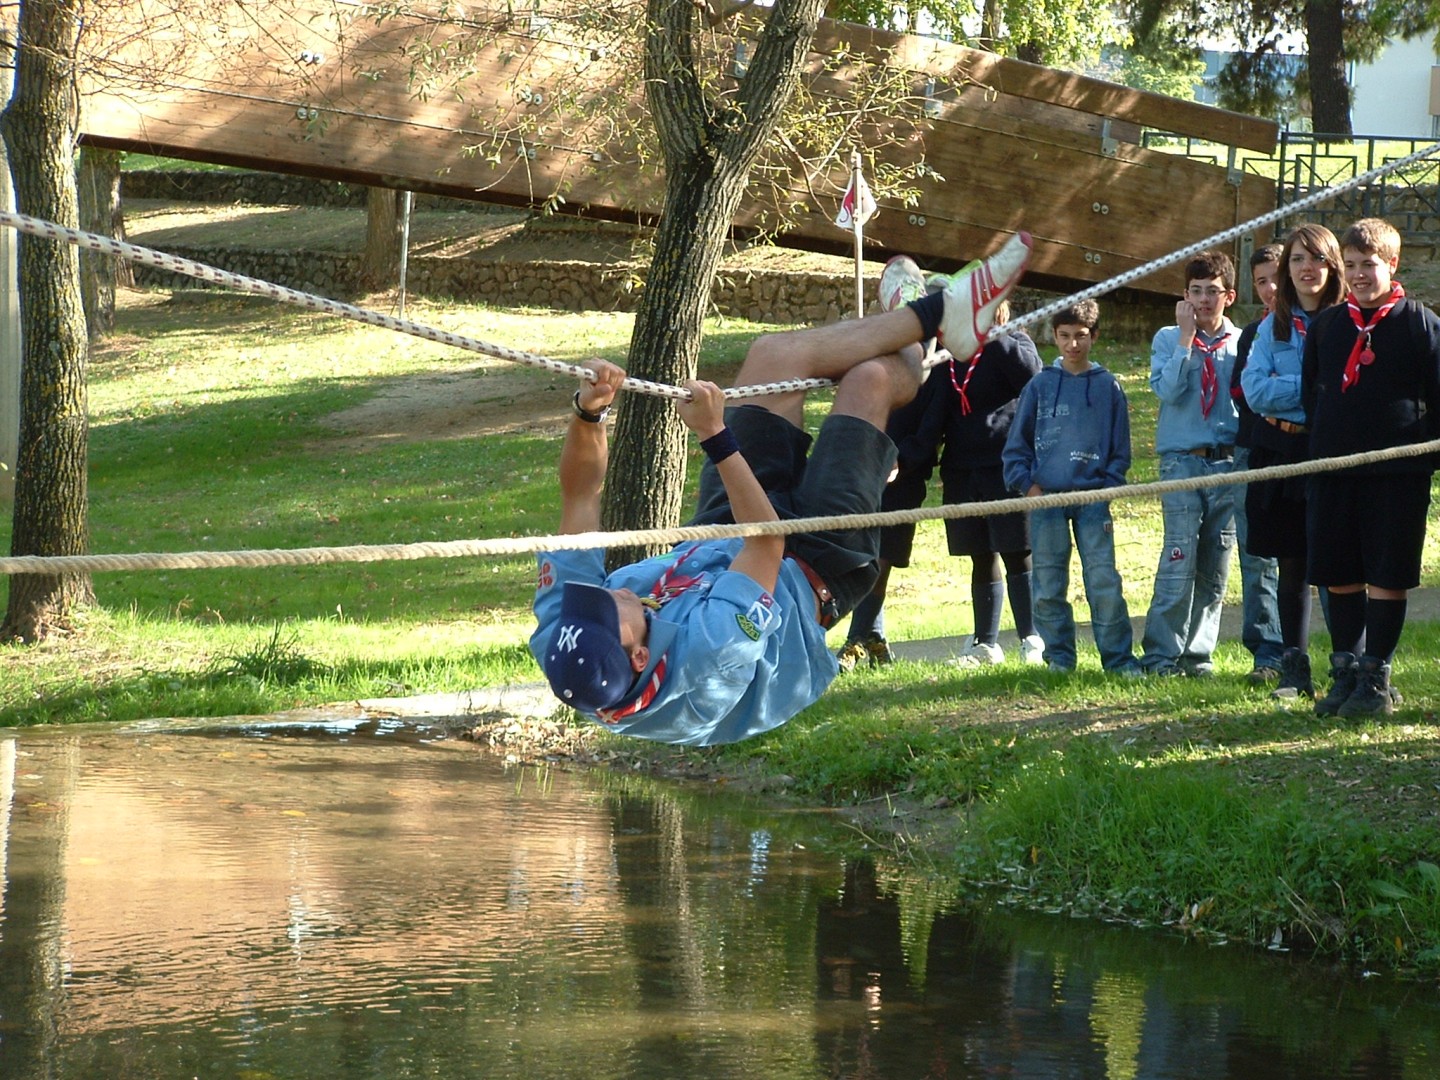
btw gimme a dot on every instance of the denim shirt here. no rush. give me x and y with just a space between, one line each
738 660
1271 379
1175 378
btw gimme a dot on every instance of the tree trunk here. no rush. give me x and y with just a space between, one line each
381 266
100 213
1329 87
709 144
50 483
989 25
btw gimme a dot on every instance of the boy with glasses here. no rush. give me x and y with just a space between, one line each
1190 368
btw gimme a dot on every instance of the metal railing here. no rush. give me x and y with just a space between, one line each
1304 163
1408 198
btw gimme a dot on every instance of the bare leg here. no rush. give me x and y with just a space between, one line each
824 352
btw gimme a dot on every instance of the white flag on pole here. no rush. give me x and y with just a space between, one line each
858 205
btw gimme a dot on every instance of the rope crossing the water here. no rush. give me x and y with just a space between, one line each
524 545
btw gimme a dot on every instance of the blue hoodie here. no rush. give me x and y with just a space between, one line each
1071 433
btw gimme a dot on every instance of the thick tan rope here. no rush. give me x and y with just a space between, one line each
522 545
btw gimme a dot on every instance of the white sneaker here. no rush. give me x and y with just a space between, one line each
900 282
1032 650
979 654
973 296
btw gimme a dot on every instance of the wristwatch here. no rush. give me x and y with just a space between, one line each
585 414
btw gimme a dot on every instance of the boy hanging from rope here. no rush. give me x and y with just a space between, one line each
719 640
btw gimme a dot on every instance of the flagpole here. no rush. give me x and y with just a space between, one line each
857 221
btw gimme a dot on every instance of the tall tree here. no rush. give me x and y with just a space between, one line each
1336 33
380 268
711 94
1329 84
50 484
710 141
100 212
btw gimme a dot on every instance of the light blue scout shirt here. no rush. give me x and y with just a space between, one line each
1271 379
1071 432
738 660
1175 378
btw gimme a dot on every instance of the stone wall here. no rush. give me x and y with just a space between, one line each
764 296
771 296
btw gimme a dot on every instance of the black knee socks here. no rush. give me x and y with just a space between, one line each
1017 588
1292 598
1347 620
1384 619
987 596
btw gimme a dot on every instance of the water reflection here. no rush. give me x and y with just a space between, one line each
359 903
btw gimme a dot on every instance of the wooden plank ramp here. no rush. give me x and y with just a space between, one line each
1007 145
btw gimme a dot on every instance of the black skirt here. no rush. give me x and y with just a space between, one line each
1275 509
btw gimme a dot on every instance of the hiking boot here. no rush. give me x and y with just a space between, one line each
1032 649
878 649
851 655
900 282
1342 684
972 297
1371 695
1295 678
980 654
870 651
1263 675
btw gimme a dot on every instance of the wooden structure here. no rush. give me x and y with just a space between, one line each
1017 145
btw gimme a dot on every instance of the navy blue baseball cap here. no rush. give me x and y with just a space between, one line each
587 666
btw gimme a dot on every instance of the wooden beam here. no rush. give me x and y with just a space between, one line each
960 65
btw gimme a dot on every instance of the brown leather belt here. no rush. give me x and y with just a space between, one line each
1286 426
829 610
1214 453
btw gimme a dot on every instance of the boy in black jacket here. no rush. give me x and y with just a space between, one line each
1370 380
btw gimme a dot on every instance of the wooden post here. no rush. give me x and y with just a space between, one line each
406 199
855 181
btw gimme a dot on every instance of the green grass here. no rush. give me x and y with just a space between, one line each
223 423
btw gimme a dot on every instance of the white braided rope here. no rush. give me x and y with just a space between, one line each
524 545
48 230
175 264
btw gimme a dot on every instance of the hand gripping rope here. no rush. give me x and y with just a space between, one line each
33 564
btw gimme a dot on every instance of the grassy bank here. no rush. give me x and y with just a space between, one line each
221 423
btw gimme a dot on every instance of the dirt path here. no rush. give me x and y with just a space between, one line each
494 398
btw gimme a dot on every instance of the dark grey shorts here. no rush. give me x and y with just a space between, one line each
844 474
975 536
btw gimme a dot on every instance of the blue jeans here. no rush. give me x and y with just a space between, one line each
1183 623
1050 530
1260 618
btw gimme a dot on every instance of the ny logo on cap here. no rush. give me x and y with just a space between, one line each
569 638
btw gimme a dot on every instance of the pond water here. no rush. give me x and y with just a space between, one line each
356 901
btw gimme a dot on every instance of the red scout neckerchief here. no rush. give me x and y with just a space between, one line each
962 385
1209 381
1301 328
1361 354
669 585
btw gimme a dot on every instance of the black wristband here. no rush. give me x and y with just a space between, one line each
720 446
585 414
